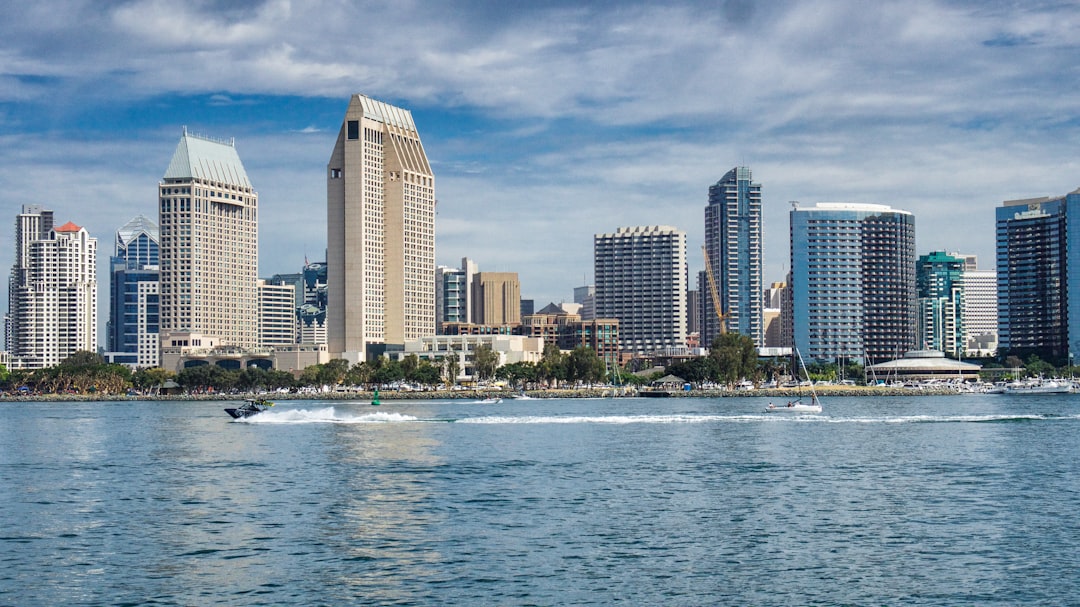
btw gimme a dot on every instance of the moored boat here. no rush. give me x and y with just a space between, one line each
1039 386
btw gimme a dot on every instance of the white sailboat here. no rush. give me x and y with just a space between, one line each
796 406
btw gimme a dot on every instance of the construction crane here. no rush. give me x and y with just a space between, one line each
714 294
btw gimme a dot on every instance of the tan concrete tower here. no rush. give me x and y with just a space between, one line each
380 203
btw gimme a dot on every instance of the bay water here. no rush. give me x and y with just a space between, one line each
922 500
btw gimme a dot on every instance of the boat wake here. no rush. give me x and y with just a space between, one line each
324 416
328 415
607 419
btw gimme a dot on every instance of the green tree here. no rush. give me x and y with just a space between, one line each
425 374
552 365
518 374
451 368
151 378
389 372
409 364
582 364
485 361
735 357
360 374
333 372
696 370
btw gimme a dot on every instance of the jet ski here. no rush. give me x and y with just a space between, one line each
251 406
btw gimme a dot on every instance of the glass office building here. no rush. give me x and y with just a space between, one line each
1038 264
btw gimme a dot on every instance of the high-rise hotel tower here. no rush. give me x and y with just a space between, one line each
209 243
380 222
852 281
733 243
641 280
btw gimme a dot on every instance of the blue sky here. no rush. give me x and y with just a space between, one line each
550 122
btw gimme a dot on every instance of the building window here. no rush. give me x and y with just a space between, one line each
354 129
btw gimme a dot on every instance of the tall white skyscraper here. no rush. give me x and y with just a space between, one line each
53 291
209 221
641 280
380 200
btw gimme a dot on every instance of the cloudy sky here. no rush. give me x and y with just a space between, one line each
551 121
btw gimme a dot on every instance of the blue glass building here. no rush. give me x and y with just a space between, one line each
733 244
1038 271
134 314
852 281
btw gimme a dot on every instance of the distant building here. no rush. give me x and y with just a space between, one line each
852 281
527 306
277 313
980 314
773 317
641 281
693 313
940 293
209 223
453 293
52 291
733 243
559 326
586 297
311 314
1038 251
380 193
496 298
508 349
134 296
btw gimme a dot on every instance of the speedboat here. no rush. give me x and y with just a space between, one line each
251 406
490 401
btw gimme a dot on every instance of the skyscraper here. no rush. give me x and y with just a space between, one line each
940 292
1038 267
34 223
852 281
209 243
134 302
380 194
641 281
733 243
53 291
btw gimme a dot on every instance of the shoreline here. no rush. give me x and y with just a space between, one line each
388 395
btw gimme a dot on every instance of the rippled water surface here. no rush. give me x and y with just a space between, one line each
897 501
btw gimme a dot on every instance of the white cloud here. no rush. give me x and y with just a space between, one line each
578 119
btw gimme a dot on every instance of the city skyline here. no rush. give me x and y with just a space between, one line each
554 122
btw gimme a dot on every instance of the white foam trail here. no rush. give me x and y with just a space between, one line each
326 415
606 419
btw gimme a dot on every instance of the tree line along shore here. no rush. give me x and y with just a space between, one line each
474 395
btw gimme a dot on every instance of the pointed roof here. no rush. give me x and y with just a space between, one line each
68 227
199 157
138 225
553 309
